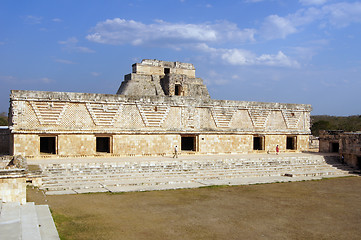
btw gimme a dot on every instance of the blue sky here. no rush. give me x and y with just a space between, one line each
301 51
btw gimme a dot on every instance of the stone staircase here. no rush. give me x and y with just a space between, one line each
26 222
160 174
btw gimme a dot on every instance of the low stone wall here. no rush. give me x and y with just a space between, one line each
13 188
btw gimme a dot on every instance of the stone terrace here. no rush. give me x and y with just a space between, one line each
26 222
70 176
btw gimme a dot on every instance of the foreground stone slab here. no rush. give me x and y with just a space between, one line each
46 224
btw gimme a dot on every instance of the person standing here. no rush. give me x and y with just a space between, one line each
175 152
277 149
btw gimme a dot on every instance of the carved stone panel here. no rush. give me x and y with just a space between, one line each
104 114
153 115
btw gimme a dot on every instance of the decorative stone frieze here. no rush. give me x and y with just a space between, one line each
158 100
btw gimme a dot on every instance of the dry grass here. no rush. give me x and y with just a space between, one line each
327 209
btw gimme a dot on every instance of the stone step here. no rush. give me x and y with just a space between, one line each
183 163
172 165
10 221
104 176
96 175
46 224
24 222
166 180
29 222
121 171
99 176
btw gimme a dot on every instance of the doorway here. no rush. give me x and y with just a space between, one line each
188 143
48 145
359 162
291 143
258 143
178 90
335 146
103 144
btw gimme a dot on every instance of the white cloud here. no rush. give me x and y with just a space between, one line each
343 14
241 57
120 31
57 20
29 19
312 2
46 80
71 45
64 61
337 15
277 27
95 74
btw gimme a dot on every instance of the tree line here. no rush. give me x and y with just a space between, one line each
325 122
3 119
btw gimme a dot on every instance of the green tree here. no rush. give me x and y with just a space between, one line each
3 119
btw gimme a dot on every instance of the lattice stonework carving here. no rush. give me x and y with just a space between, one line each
307 120
188 117
222 116
259 117
49 112
104 114
153 115
292 118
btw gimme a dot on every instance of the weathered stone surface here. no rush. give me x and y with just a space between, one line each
159 105
346 144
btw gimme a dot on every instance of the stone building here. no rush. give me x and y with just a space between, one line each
347 144
158 106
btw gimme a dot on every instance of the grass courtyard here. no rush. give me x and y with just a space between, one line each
325 209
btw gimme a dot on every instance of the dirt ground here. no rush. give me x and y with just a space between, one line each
326 209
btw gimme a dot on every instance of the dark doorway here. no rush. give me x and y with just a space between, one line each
335 147
258 143
177 90
359 162
103 144
188 143
291 143
48 145
166 70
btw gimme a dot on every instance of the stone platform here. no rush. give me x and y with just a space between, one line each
85 175
26 222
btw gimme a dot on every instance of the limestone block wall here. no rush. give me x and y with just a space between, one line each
145 144
302 142
156 67
225 143
26 144
13 189
76 119
78 144
271 141
327 138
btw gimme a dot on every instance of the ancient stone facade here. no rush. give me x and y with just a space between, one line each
347 144
158 106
